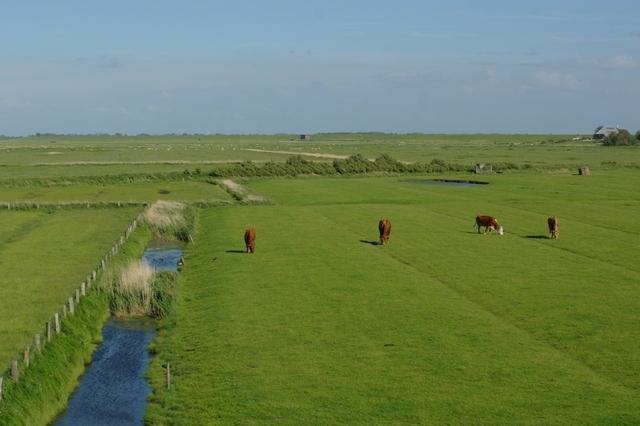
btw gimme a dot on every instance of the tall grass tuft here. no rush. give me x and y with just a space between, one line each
138 290
131 290
169 219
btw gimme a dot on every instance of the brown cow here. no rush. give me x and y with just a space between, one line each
384 226
554 226
490 223
250 240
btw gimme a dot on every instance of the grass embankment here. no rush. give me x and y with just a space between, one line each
441 326
43 388
136 289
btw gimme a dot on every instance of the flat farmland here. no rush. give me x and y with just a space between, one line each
44 255
124 192
69 156
443 325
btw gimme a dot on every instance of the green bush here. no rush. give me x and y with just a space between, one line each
621 137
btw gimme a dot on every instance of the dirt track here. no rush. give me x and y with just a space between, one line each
308 154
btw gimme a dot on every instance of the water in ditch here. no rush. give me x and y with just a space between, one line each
113 390
163 256
445 182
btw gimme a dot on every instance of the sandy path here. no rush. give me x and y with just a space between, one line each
308 154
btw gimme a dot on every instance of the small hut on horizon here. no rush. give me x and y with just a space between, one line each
305 137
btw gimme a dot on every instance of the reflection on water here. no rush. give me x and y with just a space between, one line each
163 257
113 390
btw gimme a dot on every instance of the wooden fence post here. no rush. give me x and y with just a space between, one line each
27 357
71 309
168 375
36 342
64 310
48 330
77 296
15 373
93 275
56 321
83 289
1 380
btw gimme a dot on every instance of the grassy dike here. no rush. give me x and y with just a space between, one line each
43 389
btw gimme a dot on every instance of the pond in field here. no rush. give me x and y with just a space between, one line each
445 182
113 390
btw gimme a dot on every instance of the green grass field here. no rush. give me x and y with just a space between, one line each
124 192
68 156
321 325
43 258
441 326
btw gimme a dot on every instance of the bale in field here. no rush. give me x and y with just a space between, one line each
584 171
490 223
554 226
384 226
250 240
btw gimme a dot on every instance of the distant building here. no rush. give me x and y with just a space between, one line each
604 131
305 137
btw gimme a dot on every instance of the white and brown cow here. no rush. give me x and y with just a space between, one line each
490 223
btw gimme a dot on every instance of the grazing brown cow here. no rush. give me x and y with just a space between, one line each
554 227
384 226
490 223
250 240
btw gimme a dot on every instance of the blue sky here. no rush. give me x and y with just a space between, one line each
293 66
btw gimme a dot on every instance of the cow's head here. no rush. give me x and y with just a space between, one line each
500 230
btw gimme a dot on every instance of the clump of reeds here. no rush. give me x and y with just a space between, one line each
169 219
138 290
132 289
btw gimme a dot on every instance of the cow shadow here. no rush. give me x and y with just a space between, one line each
373 243
537 237
236 251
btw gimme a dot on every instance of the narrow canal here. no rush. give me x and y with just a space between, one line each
113 390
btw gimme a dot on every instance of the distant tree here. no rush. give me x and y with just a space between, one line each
638 136
621 137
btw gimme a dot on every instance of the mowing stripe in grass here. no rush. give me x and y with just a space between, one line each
296 333
20 226
570 302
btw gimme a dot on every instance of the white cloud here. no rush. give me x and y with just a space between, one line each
622 62
555 80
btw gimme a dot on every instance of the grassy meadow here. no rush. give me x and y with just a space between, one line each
44 255
71 156
117 192
444 325
322 325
